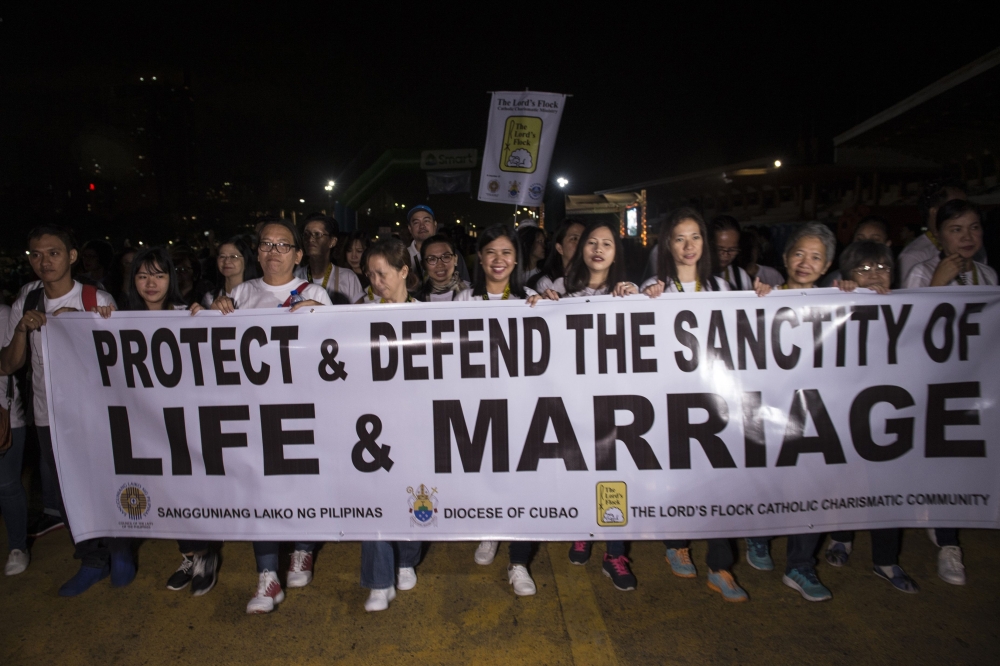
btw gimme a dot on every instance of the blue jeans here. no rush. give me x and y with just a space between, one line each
380 559
266 553
13 499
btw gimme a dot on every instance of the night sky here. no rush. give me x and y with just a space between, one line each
296 94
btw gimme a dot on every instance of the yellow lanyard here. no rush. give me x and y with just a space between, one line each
506 294
975 276
326 278
680 287
932 238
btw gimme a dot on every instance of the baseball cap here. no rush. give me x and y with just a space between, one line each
420 207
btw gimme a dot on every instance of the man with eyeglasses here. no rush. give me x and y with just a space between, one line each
319 237
422 225
726 241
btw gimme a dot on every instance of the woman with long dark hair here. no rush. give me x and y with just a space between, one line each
498 275
557 261
237 264
597 266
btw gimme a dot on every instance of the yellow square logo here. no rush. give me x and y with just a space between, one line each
612 504
521 138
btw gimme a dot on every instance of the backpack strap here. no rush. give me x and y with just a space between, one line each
89 297
33 300
301 288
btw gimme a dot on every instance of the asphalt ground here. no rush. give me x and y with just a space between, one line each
461 613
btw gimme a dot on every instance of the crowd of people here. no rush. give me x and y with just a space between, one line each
291 266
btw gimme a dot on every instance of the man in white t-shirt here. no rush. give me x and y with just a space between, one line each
52 254
319 237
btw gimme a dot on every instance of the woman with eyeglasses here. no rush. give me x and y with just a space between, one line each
236 264
441 279
388 565
279 251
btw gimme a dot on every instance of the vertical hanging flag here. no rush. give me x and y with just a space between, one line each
519 141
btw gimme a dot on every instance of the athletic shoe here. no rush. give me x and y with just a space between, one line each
837 553
759 554
46 523
83 580
269 593
378 600
206 573
300 570
808 585
180 578
723 583
950 567
617 569
899 579
122 568
486 552
680 562
518 576
406 579
579 552
17 562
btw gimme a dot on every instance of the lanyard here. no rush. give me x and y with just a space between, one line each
932 238
960 278
680 287
506 294
326 278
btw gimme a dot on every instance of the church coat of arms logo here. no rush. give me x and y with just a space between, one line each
423 506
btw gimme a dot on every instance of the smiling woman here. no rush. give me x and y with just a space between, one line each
154 282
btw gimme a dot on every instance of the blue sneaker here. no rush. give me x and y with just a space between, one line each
122 568
723 583
808 585
680 562
83 580
759 554
899 579
837 553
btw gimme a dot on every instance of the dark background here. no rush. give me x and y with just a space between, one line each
279 99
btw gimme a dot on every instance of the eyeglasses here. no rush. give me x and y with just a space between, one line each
878 269
183 270
446 258
280 248
229 257
729 251
315 235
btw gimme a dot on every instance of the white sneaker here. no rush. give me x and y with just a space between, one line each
406 579
950 567
300 569
379 600
519 577
17 562
269 593
486 552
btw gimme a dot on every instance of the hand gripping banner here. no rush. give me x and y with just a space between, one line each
718 414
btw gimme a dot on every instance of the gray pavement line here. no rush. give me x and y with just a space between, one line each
588 635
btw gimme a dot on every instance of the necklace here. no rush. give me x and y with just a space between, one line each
506 294
932 238
326 277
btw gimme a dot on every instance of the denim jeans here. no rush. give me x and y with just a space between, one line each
51 495
194 546
266 553
885 545
13 499
380 559
94 553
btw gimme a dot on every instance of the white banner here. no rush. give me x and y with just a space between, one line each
718 414
519 142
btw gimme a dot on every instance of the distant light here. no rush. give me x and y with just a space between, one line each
777 163
458 221
397 224
206 233
92 187
302 200
154 78
142 78
329 186
140 242
27 253
562 182
170 242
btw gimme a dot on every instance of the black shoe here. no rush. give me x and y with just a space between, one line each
620 573
205 573
180 578
579 552
45 524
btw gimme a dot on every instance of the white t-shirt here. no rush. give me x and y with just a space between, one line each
921 274
342 281
918 251
467 295
15 406
688 287
254 294
743 283
72 299
559 286
210 298
770 276
545 282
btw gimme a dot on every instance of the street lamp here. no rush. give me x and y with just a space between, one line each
562 182
329 193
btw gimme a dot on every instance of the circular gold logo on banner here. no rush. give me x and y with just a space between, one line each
133 501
